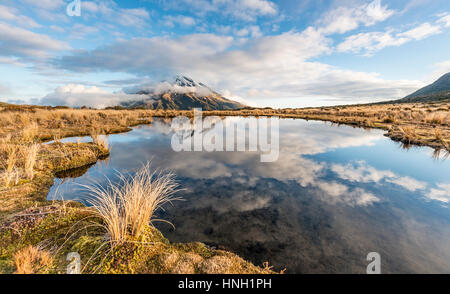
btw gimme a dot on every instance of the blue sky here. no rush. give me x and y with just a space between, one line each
266 53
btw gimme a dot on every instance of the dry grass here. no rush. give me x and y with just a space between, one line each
100 140
413 123
10 171
128 208
409 133
438 118
32 260
34 124
440 138
30 155
29 133
438 134
66 122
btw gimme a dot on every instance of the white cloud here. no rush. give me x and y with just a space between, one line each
74 95
445 20
57 29
51 10
181 20
421 32
108 10
344 19
19 42
333 189
45 4
263 7
441 193
247 10
165 86
12 61
368 43
80 31
339 193
13 14
440 69
408 183
360 172
253 31
363 173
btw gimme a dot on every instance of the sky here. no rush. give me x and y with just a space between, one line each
287 53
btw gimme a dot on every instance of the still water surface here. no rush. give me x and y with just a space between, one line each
335 194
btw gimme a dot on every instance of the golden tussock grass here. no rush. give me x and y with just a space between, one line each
409 133
30 156
100 140
32 260
10 171
128 207
29 133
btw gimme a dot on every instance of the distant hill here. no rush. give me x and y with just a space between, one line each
437 91
182 93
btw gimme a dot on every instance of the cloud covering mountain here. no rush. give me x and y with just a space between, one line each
74 95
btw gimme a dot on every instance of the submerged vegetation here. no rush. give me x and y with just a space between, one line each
116 235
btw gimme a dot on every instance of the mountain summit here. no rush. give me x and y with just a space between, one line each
181 93
439 90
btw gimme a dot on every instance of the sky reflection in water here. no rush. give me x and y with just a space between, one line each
334 195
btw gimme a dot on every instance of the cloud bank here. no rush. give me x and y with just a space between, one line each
267 67
74 95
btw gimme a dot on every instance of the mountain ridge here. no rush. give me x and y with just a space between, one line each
437 91
182 93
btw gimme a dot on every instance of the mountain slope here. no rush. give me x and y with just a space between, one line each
438 91
182 93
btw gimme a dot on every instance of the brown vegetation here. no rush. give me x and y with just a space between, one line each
128 207
32 260
413 123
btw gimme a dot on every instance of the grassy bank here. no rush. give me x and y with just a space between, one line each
422 124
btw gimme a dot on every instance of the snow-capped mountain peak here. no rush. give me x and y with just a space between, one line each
181 92
184 81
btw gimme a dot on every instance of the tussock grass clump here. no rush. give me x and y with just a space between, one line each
440 138
408 132
10 170
128 207
32 260
438 134
29 133
436 118
30 155
101 141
